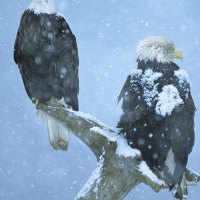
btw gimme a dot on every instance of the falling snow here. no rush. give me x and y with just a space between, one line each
107 33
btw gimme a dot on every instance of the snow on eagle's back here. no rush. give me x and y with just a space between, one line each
150 88
182 75
136 72
42 6
168 100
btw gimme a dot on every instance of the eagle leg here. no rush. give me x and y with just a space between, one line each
37 103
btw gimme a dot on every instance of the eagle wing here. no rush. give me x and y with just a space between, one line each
180 127
133 104
67 63
182 119
18 53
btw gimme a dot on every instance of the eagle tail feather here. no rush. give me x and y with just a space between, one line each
58 134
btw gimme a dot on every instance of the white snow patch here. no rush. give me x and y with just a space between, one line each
135 75
182 76
136 72
90 118
183 79
150 88
168 100
123 149
41 6
94 178
60 15
147 172
149 77
105 133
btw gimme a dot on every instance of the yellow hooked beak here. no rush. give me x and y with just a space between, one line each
178 54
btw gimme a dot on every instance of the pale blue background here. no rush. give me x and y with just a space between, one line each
107 33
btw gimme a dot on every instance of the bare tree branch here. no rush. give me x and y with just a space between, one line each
119 168
81 125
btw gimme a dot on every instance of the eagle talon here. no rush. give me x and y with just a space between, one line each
37 104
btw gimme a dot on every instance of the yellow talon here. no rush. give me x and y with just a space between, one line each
37 103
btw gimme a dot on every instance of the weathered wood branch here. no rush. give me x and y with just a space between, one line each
120 168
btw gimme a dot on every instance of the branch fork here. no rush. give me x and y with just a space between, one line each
119 167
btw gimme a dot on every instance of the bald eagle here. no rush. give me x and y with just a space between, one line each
46 53
158 111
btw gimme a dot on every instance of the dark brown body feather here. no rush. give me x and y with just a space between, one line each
46 53
154 135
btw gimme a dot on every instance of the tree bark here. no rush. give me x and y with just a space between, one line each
118 170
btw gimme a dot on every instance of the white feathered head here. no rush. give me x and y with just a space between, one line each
157 48
42 6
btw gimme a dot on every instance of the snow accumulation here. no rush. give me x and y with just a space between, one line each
168 100
147 172
182 76
136 72
94 178
149 77
60 15
104 132
90 118
123 149
183 79
150 88
135 76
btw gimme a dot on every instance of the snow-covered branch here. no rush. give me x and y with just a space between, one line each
120 168
85 127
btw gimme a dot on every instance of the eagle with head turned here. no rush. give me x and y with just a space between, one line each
46 53
158 111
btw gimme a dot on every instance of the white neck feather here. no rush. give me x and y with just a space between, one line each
151 48
42 6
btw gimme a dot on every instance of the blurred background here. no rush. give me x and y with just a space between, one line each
107 33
